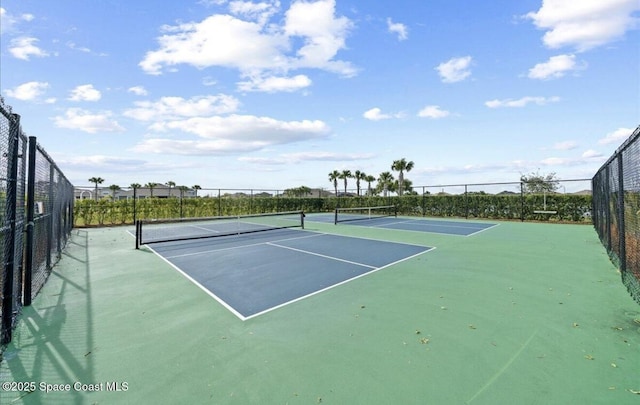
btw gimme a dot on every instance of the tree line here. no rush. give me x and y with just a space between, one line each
151 185
386 182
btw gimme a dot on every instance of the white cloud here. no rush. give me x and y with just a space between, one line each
555 67
617 136
24 47
231 134
522 102
587 157
248 127
219 40
75 47
172 108
433 111
255 47
455 70
274 84
209 81
584 24
565 145
138 90
82 120
93 162
28 91
323 33
292 158
555 161
8 21
590 154
260 12
376 114
85 92
398 28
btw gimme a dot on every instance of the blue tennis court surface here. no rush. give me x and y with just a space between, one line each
256 273
462 228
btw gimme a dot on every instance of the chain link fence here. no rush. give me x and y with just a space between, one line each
564 201
616 210
12 217
36 217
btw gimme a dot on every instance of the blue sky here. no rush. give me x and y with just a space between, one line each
276 94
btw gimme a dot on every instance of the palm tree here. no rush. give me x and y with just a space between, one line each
151 186
359 175
385 180
114 188
303 191
170 184
401 166
407 186
345 175
196 187
334 176
369 179
135 187
182 190
96 181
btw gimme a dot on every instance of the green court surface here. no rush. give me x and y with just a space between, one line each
522 313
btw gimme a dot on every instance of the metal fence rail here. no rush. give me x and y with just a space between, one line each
568 201
36 217
616 210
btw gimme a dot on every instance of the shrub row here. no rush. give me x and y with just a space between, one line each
572 208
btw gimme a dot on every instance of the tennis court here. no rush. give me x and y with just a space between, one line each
526 313
251 274
385 217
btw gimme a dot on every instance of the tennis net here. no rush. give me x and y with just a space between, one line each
166 230
364 213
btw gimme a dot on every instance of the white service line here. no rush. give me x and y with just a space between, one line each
204 252
321 255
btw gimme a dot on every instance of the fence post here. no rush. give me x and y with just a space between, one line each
10 223
31 205
181 197
135 197
607 214
621 225
219 204
49 216
466 203
521 201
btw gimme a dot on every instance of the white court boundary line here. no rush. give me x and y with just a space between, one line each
417 221
244 318
375 269
203 288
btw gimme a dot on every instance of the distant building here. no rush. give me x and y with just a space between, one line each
159 191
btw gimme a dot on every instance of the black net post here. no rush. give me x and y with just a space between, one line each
138 225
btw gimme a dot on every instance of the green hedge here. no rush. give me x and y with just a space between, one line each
570 208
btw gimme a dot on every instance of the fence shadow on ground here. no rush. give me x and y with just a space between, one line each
62 355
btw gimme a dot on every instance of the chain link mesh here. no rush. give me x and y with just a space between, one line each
616 209
34 226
